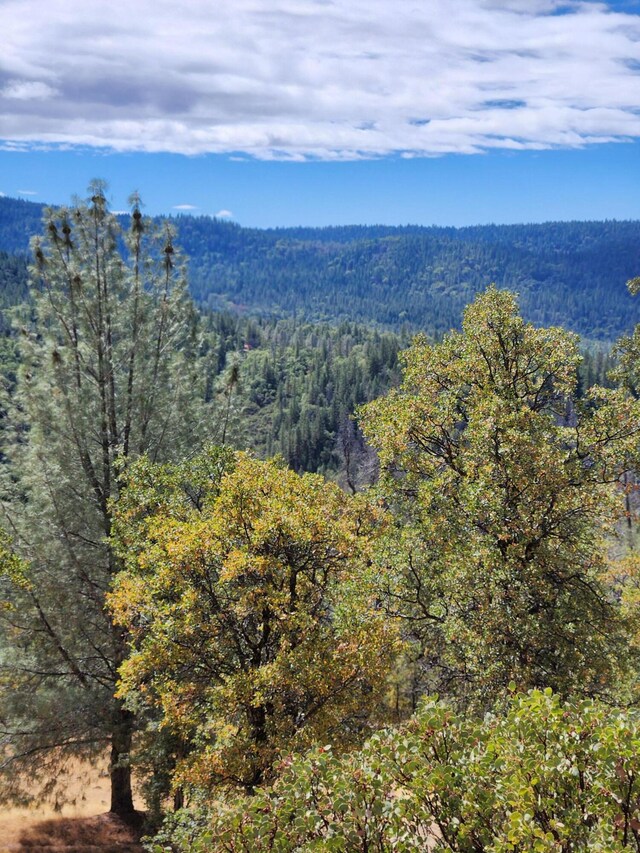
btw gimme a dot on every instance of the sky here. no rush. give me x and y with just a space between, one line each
319 112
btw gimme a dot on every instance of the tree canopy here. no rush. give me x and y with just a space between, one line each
252 614
504 489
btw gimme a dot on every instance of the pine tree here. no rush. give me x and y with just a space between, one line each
108 373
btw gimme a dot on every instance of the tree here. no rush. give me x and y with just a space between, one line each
627 352
546 775
109 371
504 490
252 613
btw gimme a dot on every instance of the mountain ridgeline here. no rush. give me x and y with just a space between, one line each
566 273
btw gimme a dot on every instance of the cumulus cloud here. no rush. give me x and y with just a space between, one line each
185 207
328 79
224 214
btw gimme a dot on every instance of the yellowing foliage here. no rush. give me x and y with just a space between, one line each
254 622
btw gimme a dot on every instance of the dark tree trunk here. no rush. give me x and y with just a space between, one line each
120 769
178 799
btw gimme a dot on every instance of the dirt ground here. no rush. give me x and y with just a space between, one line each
83 825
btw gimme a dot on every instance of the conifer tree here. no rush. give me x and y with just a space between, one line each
108 372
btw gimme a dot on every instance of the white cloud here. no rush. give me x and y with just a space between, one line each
341 79
185 207
27 192
27 90
224 214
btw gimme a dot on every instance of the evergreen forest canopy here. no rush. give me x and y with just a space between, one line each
567 273
262 646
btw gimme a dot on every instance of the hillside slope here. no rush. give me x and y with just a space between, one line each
567 273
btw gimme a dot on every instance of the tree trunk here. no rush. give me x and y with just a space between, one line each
120 769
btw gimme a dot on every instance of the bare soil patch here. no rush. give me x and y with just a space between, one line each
104 833
82 825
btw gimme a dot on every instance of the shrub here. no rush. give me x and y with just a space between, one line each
544 776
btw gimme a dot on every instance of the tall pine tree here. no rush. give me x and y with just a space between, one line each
109 371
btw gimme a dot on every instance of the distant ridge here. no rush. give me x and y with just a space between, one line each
567 273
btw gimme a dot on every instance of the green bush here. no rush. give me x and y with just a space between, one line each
544 776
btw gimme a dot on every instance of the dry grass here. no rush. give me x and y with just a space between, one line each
104 833
83 825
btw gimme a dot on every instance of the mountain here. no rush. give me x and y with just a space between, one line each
567 273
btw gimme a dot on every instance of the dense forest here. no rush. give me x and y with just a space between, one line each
567 273
323 585
298 383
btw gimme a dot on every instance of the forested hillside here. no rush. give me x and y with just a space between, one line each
291 388
19 220
571 274
13 278
257 643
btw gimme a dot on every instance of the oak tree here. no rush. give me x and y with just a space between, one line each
252 614
503 486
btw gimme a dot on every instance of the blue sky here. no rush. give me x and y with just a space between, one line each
327 111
